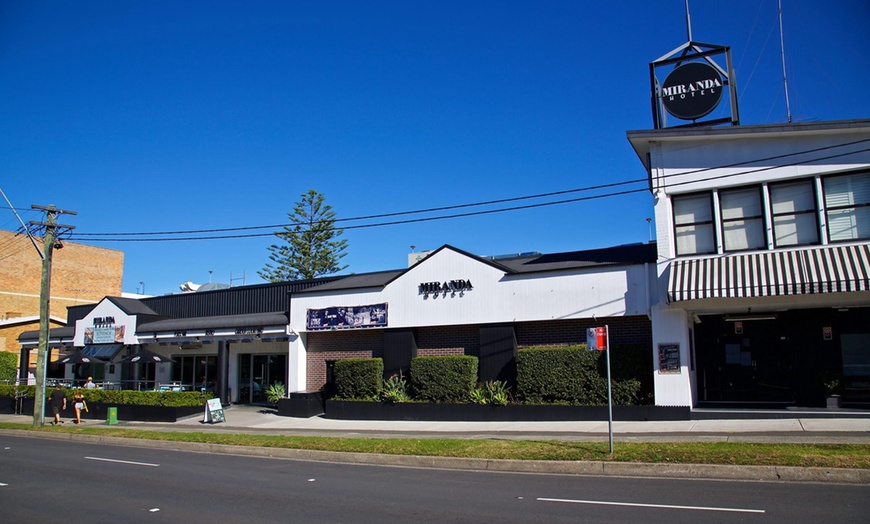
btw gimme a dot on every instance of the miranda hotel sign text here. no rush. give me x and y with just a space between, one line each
442 288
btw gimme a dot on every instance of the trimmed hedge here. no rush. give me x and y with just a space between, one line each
573 375
174 399
8 365
443 379
358 378
632 363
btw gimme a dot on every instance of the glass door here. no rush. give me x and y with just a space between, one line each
257 373
259 379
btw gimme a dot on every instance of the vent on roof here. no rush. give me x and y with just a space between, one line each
516 255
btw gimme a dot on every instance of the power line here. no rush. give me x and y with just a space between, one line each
382 215
491 202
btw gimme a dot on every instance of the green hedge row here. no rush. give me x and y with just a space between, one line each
358 378
433 379
573 375
564 375
8 365
443 379
175 399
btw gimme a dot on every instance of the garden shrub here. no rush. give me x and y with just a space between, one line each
358 378
174 399
631 367
9 390
491 392
560 375
395 390
8 365
576 376
443 379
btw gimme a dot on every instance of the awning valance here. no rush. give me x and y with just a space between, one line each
836 269
102 351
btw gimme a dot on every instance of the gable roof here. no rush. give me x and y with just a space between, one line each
28 320
609 256
521 264
131 306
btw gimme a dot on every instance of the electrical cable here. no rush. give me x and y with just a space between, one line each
478 213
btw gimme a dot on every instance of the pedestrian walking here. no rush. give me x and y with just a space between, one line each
79 404
90 383
58 403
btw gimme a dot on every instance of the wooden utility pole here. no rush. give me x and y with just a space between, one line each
51 227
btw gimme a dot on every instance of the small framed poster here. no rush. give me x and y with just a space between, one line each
214 411
669 358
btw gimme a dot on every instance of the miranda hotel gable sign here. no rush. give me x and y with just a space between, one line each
452 287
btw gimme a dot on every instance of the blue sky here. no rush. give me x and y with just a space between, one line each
176 116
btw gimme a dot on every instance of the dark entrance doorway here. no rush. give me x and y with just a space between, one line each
257 373
744 361
783 358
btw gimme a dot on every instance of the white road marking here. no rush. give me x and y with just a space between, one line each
666 506
123 462
2 484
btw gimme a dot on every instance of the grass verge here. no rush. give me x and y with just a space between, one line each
748 454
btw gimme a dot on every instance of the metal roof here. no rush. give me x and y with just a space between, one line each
53 334
217 322
363 280
521 264
608 256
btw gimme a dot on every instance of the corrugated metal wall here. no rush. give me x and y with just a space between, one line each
266 298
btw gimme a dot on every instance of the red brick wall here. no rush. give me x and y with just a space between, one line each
80 274
336 345
448 340
623 330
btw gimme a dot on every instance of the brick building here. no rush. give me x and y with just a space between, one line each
80 274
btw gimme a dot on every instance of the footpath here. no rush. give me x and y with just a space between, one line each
779 428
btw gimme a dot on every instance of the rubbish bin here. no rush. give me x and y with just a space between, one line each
112 416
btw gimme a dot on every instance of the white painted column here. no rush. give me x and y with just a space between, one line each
297 363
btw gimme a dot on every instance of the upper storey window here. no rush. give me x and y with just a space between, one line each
693 221
742 219
847 204
785 214
793 210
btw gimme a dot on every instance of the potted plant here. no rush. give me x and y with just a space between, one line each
832 387
276 392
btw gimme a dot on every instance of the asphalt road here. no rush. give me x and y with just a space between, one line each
69 481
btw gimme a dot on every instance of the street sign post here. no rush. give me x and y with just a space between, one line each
598 339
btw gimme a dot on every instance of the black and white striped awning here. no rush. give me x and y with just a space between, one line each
836 269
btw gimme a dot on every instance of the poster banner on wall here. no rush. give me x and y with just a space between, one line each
105 335
347 317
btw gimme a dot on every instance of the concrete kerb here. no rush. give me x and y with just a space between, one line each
557 467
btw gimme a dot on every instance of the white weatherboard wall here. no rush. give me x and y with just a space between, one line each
684 166
495 296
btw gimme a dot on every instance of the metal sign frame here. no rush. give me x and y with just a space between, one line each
693 52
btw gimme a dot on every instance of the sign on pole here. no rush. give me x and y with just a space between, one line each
598 339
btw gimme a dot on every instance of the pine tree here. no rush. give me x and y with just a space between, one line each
312 248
